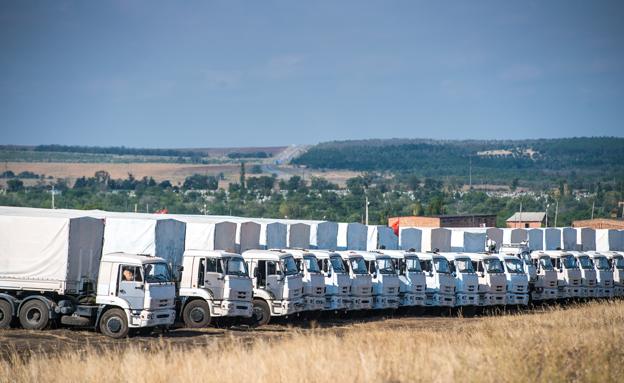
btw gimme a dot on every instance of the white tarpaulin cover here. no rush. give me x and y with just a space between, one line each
511 235
568 238
210 236
298 236
273 235
371 238
48 251
356 236
536 239
586 238
552 238
609 240
381 236
341 240
325 235
247 236
436 238
470 240
410 238
495 234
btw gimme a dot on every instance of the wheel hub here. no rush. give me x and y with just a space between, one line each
114 324
33 315
197 315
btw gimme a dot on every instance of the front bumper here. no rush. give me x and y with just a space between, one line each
489 299
541 294
410 299
337 302
618 291
441 300
287 307
521 299
361 303
464 299
314 303
570 292
385 302
152 318
232 309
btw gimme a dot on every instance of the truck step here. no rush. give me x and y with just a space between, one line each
72 320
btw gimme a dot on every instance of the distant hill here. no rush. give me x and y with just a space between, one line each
498 161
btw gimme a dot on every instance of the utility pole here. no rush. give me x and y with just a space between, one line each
366 209
53 196
593 206
470 171
556 211
547 206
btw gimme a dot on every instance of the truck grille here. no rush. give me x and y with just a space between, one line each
471 289
391 290
345 290
419 288
575 282
319 291
499 288
552 283
592 282
241 295
448 289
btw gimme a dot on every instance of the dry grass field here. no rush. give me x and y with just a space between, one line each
575 344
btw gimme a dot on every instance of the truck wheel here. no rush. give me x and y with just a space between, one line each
261 313
114 324
34 315
196 314
6 314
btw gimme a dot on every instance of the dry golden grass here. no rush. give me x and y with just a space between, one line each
577 344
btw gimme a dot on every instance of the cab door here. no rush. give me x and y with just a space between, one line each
130 287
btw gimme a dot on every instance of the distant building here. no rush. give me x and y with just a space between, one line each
526 219
473 220
600 223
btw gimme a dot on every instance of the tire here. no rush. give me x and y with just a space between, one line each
6 314
114 324
261 313
34 315
196 314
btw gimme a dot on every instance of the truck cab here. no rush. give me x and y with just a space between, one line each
214 283
589 284
312 278
604 274
545 287
517 280
141 286
466 280
522 252
440 290
277 284
568 274
361 281
411 277
492 280
616 261
337 280
384 278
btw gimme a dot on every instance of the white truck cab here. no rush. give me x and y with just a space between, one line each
361 293
604 274
312 278
492 280
337 280
277 284
517 280
411 277
545 287
466 280
214 283
522 252
440 290
589 284
384 278
616 261
568 273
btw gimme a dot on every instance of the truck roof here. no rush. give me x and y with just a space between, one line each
371 255
482 256
398 254
300 253
137 259
209 253
556 253
346 254
455 255
271 255
323 254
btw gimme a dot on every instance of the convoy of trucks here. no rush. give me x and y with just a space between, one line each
120 274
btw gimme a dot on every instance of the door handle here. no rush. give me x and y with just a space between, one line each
122 291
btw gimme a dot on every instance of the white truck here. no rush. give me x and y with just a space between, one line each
214 283
545 287
337 281
312 278
589 285
492 280
568 274
517 280
384 278
440 290
616 261
521 251
361 290
413 283
466 280
604 274
52 270
277 284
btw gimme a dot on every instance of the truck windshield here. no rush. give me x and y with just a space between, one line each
619 263
585 262
385 266
311 264
463 265
236 266
545 263
412 264
601 263
569 262
337 264
493 265
441 265
157 272
358 266
289 267
514 266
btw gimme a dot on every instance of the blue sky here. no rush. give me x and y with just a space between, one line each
261 73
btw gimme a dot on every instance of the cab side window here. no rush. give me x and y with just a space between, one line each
299 265
213 265
201 274
130 274
425 266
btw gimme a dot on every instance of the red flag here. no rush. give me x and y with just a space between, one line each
162 211
395 227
